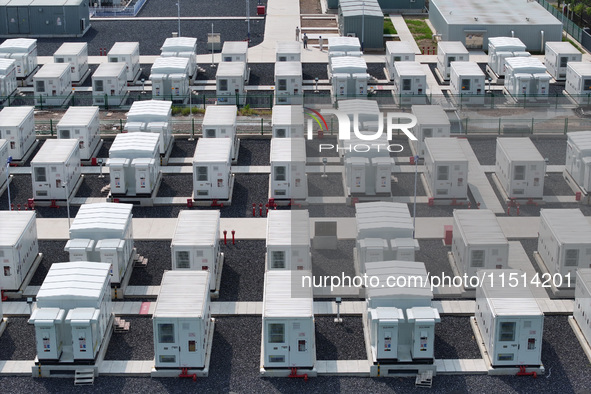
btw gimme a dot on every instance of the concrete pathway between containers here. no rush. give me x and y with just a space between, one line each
404 33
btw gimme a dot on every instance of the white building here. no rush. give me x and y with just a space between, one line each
578 158
230 83
578 82
558 55
152 116
18 247
76 55
409 80
52 84
128 53
288 121
288 83
220 122
288 169
349 77
109 84
448 52
235 51
343 46
526 76
467 82
23 51
500 48
7 77
170 78
398 51
56 170
582 307
81 123
446 168
182 47
288 51
17 127
432 121
520 168
288 241
212 172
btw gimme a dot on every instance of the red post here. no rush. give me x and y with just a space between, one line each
517 209
233 237
12 207
412 160
189 203
225 233
509 210
478 206
261 209
469 205
254 209
578 196
18 206
431 201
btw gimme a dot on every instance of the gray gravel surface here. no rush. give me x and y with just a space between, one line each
331 185
555 185
262 74
313 146
314 70
376 70
183 148
434 254
91 186
137 344
405 185
454 339
343 341
552 148
176 185
530 245
331 210
248 189
18 340
334 262
158 254
485 149
104 151
254 152
158 8
21 189
243 274
424 210
405 153
53 252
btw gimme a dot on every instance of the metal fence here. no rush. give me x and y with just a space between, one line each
128 10
569 26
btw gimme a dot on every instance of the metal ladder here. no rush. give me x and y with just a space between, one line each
424 379
84 377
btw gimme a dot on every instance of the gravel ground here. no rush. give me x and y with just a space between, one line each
158 8
91 186
176 185
530 245
314 70
248 189
21 189
183 147
343 341
104 151
485 149
555 185
137 344
262 74
53 252
334 262
424 210
454 338
313 147
405 152
434 254
103 34
243 274
158 254
552 148
18 341
331 210
254 152
376 70
331 185
35 149
405 185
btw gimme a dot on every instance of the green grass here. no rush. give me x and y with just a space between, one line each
388 26
419 29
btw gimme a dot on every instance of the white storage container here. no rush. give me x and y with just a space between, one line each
467 79
288 335
3 159
128 53
409 298
368 171
500 48
526 76
24 51
288 121
7 77
349 77
18 247
509 320
76 55
564 243
578 82
558 55
181 47
182 320
235 51
125 149
578 158
52 84
343 46
220 122
152 116
409 80
288 169
17 127
56 170
478 241
170 78
212 170
520 168
288 51
109 84
367 118
288 83
447 52
398 51
71 286
103 232
81 123
230 83
432 121
288 241
582 307
195 244
447 168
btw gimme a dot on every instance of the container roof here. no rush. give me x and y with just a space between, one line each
124 48
519 149
55 151
563 47
52 70
288 47
451 47
507 300
501 43
360 106
102 216
493 12
430 115
288 149
179 43
467 69
197 228
79 116
183 294
230 69
5 64
581 68
445 149
137 142
409 68
348 62
352 43
13 225
75 280
375 215
168 65
399 47
288 68
288 115
285 296
569 226
417 282
234 47
585 275
479 227
18 44
13 116
518 63
581 139
213 150
150 111
71 48
288 228
220 115
109 70
356 8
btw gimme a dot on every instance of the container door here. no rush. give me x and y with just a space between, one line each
167 343
298 178
387 341
442 183
277 346
300 346
374 255
13 20
23 20
357 183
191 344
220 185
507 343
202 183
82 342
529 344
383 176
587 179
519 181
118 183
280 185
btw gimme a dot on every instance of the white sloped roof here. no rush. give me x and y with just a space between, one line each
14 116
13 225
76 280
78 116
52 70
134 142
569 226
179 44
150 111
372 215
71 48
55 151
286 47
519 149
210 150
197 228
100 217
581 139
234 47
285 297
288 228
445 149
288 115
220 115
183 294
288 149
288 69
123 48
430 115
479 227
508 300
230 69
416 285
109 70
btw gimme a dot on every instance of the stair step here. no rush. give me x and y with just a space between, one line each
141 262
424 379
84 377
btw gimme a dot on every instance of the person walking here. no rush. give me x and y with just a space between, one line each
320 42
297 33
305 39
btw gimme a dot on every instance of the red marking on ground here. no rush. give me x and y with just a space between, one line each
145 308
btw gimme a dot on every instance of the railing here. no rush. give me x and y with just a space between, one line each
569 26
106 12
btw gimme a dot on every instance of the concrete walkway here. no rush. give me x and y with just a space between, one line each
403 32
